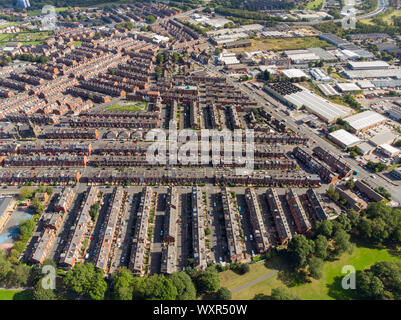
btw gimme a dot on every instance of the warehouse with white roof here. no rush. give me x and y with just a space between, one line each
298 97
323 109
344 139
347 86
368 65
294 73
365 120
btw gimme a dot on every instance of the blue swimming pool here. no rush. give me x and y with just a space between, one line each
11 229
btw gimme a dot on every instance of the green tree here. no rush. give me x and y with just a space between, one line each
223 294
321 247
283 293
315 268
342 242
38 206
159 287
5 267
19 276
207 281
185 287
49 190
324 228
122 284
84 280
39 293
369 286
150 19
25 193
300 249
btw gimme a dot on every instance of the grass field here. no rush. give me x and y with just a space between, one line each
137 106
15 295
386 17
25 37
314 4
283 44
327 288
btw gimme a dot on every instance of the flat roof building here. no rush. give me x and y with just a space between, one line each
368 65
365 120
343 138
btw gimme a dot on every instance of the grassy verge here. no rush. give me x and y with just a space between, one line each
15 294
314 4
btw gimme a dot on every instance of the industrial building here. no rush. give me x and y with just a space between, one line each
368 65
343 138
365 120
298 97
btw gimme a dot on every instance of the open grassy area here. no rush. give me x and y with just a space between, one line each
231 280
386 17
314 4
283 44
137 106
25 37
15 295
327 288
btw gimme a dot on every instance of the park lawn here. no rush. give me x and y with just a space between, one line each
137 106
314 4
327 288
386 17
25 37
283 44
231 280
15 295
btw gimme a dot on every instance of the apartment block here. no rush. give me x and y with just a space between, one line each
72 251
138 250
231 222
339 165
316 205
298 213
325 173
280 220
171 217
168 259
198 228
258 227
107 237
